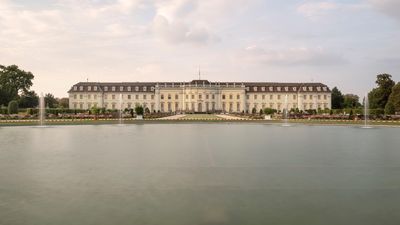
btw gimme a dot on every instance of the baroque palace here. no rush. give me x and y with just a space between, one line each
200 96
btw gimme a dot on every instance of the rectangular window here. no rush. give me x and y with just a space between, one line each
129 96
137 97
279 97
263 97
81 96
223 96
192 96
162 96
255 97
113 96
238 97
144 97
271 97
200 96
169 96
207 96
152 97
247 97
294 97
230 96
176 97
213 97
74 96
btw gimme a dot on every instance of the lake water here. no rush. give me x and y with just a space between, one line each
193 174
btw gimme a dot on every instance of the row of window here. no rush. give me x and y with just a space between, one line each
200 96
145 88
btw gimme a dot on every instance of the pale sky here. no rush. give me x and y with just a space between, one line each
342 43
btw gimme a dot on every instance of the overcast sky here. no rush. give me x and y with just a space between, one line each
341 43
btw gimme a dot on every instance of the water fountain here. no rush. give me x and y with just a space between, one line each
286 113
366 111
42 110
120 109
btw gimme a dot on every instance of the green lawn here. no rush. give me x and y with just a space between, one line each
201 117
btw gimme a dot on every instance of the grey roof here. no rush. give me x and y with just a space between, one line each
150 86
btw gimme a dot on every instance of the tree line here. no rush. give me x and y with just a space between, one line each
384 98
15 90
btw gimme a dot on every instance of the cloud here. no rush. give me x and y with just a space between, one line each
388 7
291 56
177 32
316 9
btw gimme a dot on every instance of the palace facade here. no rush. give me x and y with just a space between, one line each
200 96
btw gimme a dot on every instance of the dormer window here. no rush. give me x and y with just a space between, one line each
294 89
324 88
318 88
106 88
129 88
144 88
152 88
95 88
271 88
75 88
113 88
279 88
286 89
81 88
136 88
262 88
247 89
89 88
121 88
304 88
310 88
255 88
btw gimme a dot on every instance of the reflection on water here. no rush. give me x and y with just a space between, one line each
199 174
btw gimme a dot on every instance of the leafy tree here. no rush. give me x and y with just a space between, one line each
379 96
13 107
50 101
337 99
254 111
269 111
13 81
147 110
139 110
393 104
28 99
389 108
351 101
63 103
261 112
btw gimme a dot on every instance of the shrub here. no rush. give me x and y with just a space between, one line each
13 107
139 110
269 111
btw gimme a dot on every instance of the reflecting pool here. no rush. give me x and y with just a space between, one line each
215 173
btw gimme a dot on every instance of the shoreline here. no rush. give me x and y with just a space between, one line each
60 122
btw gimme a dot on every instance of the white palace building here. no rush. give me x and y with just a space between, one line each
200 96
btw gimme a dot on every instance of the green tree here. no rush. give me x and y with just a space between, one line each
139 110
393 104
379 96
28 100
63 103
13 81
50 101
269 111
351 101
337 99
254 111
13 107
389 108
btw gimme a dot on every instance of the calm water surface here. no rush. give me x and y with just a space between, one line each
193 174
